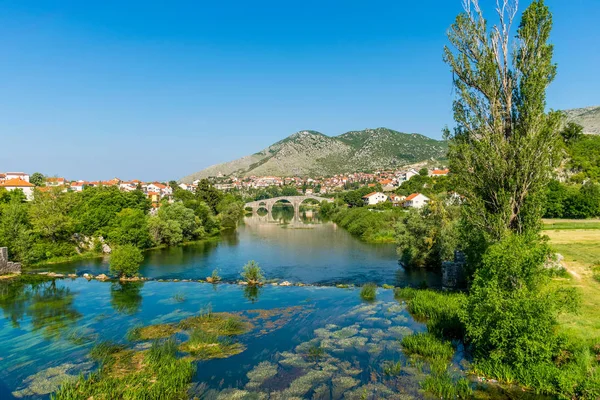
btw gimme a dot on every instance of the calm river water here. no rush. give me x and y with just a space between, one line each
48 329
305 251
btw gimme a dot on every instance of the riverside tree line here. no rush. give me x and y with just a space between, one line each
59 225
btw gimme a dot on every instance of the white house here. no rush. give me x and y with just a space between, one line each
374 198
78 186
55 181
17 183
406 175
416 200
16 175
396 199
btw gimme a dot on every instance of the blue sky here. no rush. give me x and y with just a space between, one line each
160 89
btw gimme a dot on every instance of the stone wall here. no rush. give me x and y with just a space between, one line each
8 267
453 272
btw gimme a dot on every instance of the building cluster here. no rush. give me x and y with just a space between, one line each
415 200
20 180
389 180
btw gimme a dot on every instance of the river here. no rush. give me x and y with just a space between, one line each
48 329
307 251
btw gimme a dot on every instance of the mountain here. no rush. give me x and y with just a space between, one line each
311 153
588 117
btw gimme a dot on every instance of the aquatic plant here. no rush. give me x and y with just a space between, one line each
261 373
368 292
427 346
444 387
252 273
149 374
386 286
152 332
206 345
179 297
224 324
441 311
214 278
315 353
392 368
104 350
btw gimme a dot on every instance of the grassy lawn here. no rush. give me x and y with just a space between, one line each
581 249
553 224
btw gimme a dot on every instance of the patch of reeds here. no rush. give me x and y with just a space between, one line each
427 346
368 292
151 374
440 310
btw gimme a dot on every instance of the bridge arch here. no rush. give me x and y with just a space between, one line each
295 201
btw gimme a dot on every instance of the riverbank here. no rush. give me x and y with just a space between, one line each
371 226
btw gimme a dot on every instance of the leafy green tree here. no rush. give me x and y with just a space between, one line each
207 193
165 231
37 179
49 214
571 132
125 260
502 154
427 237
504 146
584 156
555 199
130 226
15 229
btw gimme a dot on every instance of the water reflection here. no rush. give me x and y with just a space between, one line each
48 306
252 293
125 297
297 248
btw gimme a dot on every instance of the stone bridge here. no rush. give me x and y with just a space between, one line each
295 201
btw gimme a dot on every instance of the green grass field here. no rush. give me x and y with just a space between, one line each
581 251
568 224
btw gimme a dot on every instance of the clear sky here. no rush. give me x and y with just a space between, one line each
160 89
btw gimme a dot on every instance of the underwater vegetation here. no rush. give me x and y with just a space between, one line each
155 373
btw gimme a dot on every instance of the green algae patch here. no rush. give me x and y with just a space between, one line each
205 345
225 324
152 332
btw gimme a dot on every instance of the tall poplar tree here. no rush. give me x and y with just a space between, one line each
504 145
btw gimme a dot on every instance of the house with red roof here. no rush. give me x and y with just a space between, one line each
434 173
374 198
416 200
18 183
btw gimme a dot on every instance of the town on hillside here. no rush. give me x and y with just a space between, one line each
156 191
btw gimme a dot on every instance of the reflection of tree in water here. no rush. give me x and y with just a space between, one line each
125 297
49 307
252 292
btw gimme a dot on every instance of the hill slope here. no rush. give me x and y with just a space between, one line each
588 117
314 154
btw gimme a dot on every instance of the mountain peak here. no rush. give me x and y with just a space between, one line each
311 153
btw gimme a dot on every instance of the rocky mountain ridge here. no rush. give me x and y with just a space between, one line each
311 153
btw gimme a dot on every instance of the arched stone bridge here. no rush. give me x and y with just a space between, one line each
295 201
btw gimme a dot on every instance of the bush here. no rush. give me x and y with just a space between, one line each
125 260
368 291
510 317
252 273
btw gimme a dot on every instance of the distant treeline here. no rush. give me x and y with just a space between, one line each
59 225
